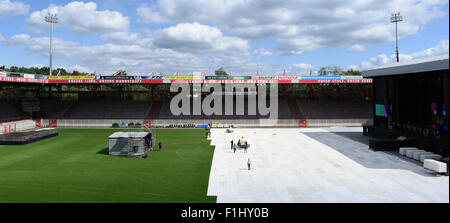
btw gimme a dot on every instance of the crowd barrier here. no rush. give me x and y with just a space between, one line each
17 126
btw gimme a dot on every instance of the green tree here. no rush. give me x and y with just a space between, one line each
352 72
14 69
330 71
221 72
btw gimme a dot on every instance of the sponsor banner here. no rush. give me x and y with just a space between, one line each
232 81
150 77
348 81
105 81
216 78
15 75
21 80
286 77
320 78
2 74
71 77
160 81
38 76
31 76
117 77
352 77
266 77
184 77
241 77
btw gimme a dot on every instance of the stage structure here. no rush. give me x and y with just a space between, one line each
410 99
131 144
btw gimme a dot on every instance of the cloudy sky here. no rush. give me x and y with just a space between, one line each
242 36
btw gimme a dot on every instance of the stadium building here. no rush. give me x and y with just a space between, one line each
87 101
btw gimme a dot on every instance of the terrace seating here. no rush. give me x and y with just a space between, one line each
111 109
295 110
332 109
283 112
7 110
53 109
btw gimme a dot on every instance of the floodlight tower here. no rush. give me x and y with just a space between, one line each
395 18
52 19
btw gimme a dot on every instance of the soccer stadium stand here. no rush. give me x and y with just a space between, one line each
8 110
54 108
329 109
155 110
295 110
283 112
111 109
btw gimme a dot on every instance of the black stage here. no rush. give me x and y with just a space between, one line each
22 138
411 101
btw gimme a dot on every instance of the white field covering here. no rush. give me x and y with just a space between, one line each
315 165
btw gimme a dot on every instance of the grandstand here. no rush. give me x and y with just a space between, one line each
326 109
88 102
8 111
54 109
110 109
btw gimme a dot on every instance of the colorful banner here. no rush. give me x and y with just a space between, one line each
71 78
241 77
183 77
131 80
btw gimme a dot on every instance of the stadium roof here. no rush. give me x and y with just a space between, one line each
413 66
128 135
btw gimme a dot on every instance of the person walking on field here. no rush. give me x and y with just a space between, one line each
234 148
160 145
248 163
232 143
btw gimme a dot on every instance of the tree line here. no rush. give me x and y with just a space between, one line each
42 71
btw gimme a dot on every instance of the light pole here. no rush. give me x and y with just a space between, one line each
52 19
395 18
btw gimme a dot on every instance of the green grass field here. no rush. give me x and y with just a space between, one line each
75 167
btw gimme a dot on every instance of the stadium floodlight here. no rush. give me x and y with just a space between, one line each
395 18
52 19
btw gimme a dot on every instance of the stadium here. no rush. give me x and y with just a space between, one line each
336 139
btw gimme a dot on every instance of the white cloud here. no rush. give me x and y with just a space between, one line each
82 18
148 14
16 39
262 52
81 69
441 48
198 38
109 57
356 48
15 7
301 25
382 59
301 69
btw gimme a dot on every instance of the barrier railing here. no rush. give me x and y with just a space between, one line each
13 119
